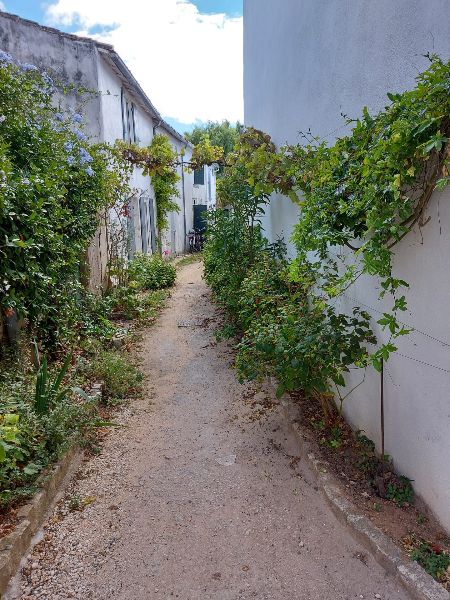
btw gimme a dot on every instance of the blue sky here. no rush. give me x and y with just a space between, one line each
220 95
34 10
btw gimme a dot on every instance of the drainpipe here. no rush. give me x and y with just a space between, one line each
155 127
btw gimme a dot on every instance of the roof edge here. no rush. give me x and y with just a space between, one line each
118 61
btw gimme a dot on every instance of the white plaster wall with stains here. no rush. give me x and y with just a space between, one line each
304 65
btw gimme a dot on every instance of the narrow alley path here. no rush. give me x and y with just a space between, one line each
201 495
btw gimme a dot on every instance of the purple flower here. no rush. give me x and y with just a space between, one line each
80 135
5 57
59 116
28 67
25 181
49 86
89 171
85 157
68 146
71 161
77 118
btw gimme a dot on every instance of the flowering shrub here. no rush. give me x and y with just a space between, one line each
151 272
53 186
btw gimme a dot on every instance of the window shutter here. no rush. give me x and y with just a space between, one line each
199 176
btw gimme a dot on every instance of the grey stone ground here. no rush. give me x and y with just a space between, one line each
195 499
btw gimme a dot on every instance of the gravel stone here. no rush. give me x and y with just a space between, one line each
198 496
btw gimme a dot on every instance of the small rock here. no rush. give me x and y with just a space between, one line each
377 596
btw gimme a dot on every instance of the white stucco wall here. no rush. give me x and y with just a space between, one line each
110 88
304 64
206 194
175 238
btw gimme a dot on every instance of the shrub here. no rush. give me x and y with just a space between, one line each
305 345
433 559
151 272
55 185
30 439
121 379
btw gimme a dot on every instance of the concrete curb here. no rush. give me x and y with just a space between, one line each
14 545
410 574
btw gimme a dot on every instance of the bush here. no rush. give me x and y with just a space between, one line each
55 185
151 272
121 379
305 345
31 440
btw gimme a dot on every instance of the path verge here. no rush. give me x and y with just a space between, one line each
415 580
32 515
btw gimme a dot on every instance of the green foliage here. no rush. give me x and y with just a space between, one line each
48 393
54 185
31 439
43 413
359 197
226 332
401 491
367 191
95 314
164 180
334 439
204 153
9 434
121 378
221 134
304 345
433 559
159 160
151 272
228 255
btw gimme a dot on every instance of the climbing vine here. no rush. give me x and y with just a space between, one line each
359 197
205 153
160 161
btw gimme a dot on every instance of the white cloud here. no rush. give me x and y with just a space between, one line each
189 64
2 6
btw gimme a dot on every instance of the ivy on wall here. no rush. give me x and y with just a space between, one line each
359 197
159 161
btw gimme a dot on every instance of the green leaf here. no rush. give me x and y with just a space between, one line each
32 469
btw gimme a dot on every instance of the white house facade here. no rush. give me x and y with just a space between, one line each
305 63
204 192
116 109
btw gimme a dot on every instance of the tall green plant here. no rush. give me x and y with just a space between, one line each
359 198
54 186
48 393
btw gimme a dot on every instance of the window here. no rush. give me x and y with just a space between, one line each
199 176
128 119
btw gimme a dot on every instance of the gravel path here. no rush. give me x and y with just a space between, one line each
202 495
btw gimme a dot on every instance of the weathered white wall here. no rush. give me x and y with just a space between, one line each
305 62
206 194
174 239
70 59
110 87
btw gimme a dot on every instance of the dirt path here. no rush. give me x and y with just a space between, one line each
197 498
